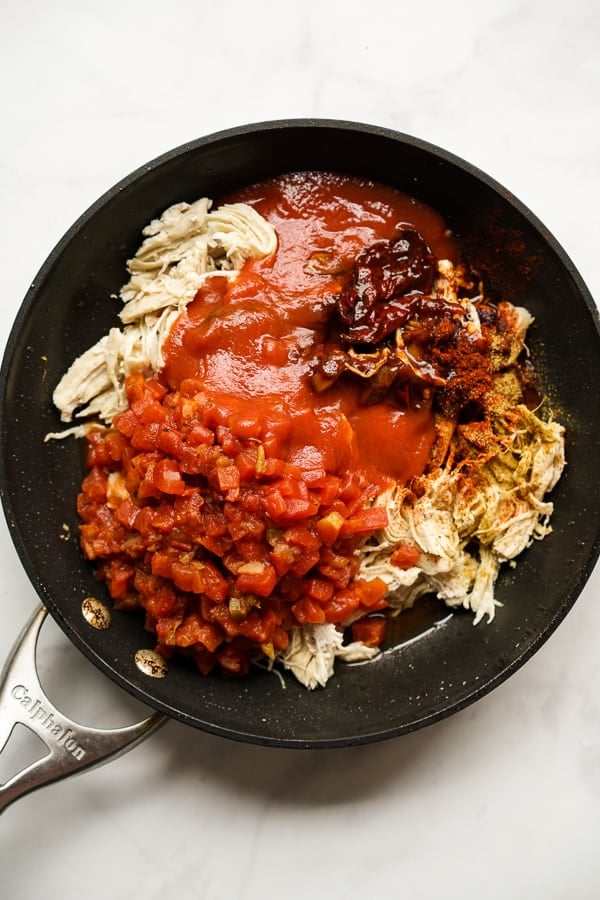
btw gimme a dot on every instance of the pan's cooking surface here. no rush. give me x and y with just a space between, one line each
68 309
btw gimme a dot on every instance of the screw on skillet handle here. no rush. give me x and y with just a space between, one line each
72 748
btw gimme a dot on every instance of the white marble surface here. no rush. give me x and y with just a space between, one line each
500 801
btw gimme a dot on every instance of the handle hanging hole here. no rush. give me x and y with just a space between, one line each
22 748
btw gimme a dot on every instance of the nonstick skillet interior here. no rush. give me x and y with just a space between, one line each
69 307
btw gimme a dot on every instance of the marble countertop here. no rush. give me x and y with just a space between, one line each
501 800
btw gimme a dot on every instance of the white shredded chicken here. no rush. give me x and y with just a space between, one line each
313 649
501 508
187 244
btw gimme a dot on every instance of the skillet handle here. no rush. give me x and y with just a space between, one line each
72 748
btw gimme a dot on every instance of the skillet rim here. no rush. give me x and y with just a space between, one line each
546 237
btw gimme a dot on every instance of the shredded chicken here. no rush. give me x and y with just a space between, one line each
313 649
495 499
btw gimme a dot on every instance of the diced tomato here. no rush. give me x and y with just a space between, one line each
170 442
275 506
144 522
167 477
153 388
161 563
166 628
329 527
257 627
119 576
161 602
243 425
219 613
147 488
198 434
250 550
199 577
214 521
291 486
145 437
126 512
405 556
243 524
164 517
246 464
282 558
341 606
215 584
135 387
280 638
98 455
146 583
189 387
192 459
302 536
228 441
228 477
305 561
193 630
370 631
351 487
256 578
329 489
187 510
337 567
126 422
366 520
95 484
371 591
234 662
308 611
149 410
319 589
272 468
117 446
217 544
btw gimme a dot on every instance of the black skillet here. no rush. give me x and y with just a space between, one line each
69 307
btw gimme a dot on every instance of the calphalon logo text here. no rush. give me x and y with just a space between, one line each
63 735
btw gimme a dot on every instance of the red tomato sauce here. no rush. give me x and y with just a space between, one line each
253 342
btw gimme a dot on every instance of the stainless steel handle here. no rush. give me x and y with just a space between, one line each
72 748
